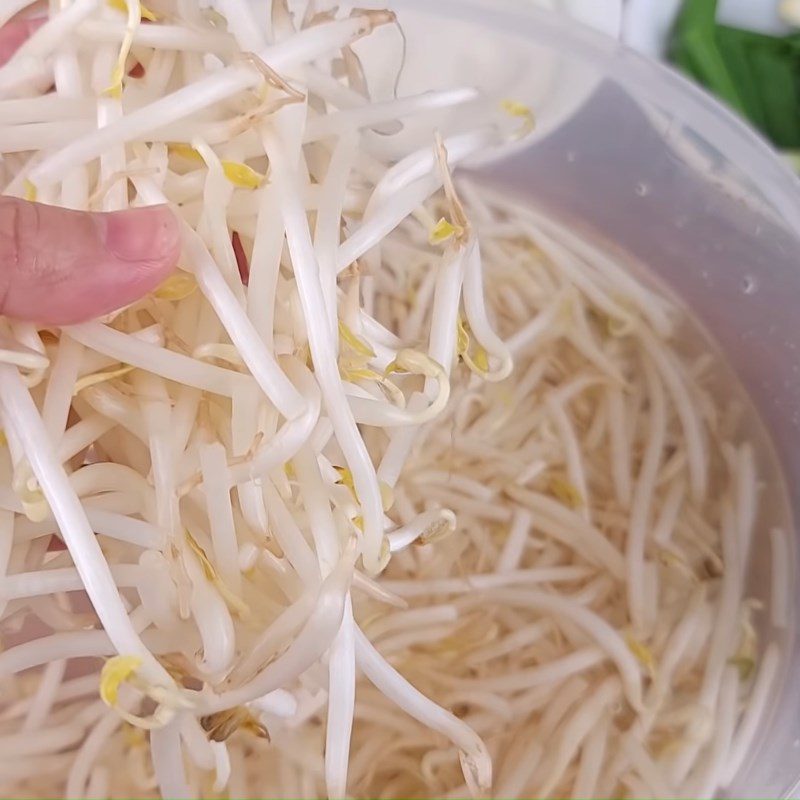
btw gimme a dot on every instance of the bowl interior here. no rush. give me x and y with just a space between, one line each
663 176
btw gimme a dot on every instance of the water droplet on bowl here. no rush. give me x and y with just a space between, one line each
749 285
571 156
642 189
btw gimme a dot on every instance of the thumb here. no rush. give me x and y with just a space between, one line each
60 267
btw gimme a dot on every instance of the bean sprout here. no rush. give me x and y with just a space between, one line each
396 485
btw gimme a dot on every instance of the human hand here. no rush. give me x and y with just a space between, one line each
59 266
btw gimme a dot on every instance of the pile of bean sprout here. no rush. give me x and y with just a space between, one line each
293 525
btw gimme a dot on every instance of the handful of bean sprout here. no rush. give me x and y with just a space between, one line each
396 489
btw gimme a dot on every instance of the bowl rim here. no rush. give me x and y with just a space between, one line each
648 81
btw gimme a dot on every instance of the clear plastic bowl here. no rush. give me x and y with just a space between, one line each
634 155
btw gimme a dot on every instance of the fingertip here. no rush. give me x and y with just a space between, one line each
149 236
144 245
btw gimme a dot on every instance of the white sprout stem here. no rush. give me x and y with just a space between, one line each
515 543
213 620
563 524
539 328
78 535
593 625
405 535
693 432
214 466
222 765
720 644
265 266
116 525
515 777
45 108
522 637
45 696
184 413
619 279
475 310
620 445
159 593
279 703
290 538
89 752
261 363
675 649
575 731
244 428
41 135
375 591
651 773
113 161
780 606
475 760
306 270
668 517
272 638
217 193
729 597
572 453
341 703
72 644
195 743
62 579
285 444
166 363
746 502
411 618
641 510
576 270
400 445
28 60
754 714
593 754
316 500
716 761
313 640
405 187
471 583
327 234
113 409
162 36
156 411
424 162
165 745
67 691
60 387
387 216
54 739
243 24
368 411
444 314
368 116
305 45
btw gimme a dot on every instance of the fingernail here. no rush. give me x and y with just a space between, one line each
140 234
